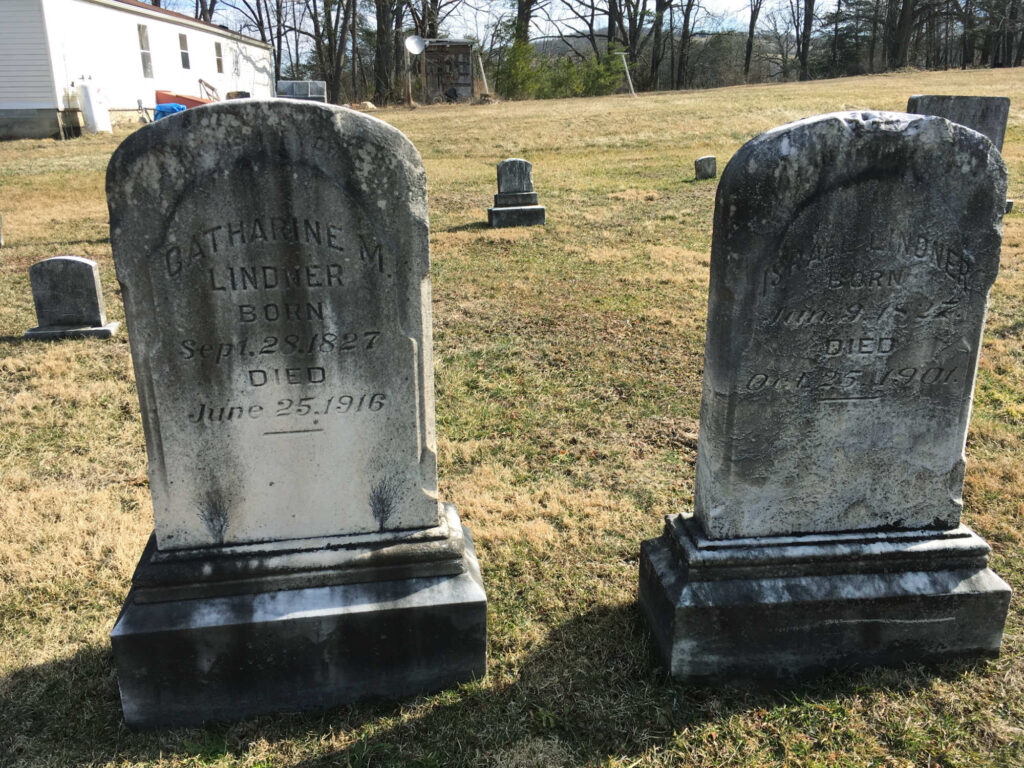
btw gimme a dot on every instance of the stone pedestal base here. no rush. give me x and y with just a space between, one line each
227 656
72 332
516 216
782 607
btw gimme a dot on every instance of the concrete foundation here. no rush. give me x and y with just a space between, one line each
516 216
28 124
790 606
69 332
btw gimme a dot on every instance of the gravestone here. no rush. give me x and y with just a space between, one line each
850 268
69 300
274 262
705 167
515 205
985 114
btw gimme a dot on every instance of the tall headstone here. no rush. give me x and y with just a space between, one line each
515 205
985 114
69 299
850 268
274 262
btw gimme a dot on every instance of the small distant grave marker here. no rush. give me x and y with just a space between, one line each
705 167
515 205
278 295
69 300
850 267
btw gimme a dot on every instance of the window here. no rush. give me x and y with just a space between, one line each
220 58
147 61
183 44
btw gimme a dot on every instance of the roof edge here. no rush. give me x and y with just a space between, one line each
145 9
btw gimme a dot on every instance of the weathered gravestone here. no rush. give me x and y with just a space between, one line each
275 268
515 205
68 298
985 114
850 268
705 167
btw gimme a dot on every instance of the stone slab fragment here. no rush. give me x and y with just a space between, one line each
515 175
68 299
511 199
985 114
188 662
274 262
850 269
705 167
777 612
517 216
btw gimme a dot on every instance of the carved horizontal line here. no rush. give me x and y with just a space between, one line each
845 399
292 431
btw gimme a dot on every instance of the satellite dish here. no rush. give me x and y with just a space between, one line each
415 44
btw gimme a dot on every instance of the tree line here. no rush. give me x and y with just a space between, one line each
538 48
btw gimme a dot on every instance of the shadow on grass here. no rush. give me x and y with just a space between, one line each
591 689
473 225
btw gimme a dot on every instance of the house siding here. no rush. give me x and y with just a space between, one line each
26 80
99 39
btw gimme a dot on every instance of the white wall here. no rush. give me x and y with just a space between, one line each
100 39
25 78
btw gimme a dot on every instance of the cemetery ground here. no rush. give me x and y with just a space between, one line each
568 375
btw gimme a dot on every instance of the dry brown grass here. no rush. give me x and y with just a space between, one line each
568 381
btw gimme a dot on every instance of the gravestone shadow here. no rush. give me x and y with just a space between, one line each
470 227
593 688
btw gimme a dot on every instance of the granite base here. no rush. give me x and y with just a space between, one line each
226 657
72 332
793 606
516 216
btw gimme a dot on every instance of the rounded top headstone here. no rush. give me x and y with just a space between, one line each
850 267
515 175
275 265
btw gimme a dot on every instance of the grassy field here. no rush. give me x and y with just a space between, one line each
568 384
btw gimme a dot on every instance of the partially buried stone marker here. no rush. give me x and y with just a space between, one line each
705 167
69 299
850 268
275 269
515 205
984 114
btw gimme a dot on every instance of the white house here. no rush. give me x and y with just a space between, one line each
125 49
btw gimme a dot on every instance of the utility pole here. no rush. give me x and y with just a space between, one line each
626 67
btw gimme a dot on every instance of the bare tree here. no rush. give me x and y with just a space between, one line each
755 10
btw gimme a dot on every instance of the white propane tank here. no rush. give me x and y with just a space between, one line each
94 108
